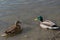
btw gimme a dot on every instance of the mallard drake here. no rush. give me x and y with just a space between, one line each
13 29
47 24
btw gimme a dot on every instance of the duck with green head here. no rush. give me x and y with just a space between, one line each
47 24
40 18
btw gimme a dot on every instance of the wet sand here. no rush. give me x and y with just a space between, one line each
26 11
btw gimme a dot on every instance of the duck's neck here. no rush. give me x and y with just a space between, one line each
40 22
18 23
41 19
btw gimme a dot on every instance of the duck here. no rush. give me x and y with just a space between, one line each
13 29
47 24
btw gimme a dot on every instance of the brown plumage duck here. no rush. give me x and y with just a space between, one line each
13 29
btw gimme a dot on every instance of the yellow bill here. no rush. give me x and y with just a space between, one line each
35 19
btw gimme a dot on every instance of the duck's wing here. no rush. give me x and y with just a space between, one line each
48 22
44 25
11 28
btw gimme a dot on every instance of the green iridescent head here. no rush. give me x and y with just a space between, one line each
39 18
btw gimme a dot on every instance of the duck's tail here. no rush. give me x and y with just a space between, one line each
53 28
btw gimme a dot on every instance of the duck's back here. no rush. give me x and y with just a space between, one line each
11 28
48 23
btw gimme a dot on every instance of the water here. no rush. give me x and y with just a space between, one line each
7 5
15 4
26 11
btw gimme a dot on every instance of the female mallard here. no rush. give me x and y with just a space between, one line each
47 24
13 29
